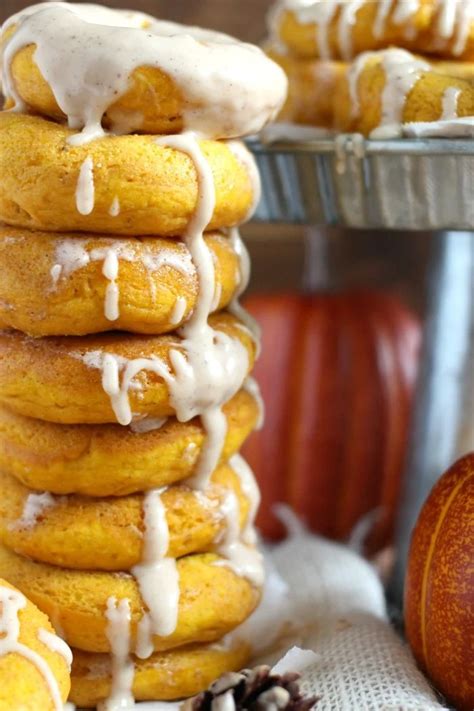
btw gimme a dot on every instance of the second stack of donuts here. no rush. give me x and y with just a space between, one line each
126 511
351 68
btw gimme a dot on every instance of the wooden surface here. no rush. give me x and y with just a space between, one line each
243 18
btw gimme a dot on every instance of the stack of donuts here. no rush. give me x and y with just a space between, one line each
373 66
126 512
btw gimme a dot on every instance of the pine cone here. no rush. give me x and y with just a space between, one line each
253 689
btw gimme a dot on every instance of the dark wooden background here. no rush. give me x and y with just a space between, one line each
244 18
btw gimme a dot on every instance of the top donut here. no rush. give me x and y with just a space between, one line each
130 73
342 29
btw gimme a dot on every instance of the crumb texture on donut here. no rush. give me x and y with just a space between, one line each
213 599
111 460
156 186
54 285
176 674
60 379
101 534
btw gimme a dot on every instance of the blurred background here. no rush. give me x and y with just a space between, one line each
341 313
245 18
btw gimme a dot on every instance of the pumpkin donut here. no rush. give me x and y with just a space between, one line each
337 29
53 285
213 599
35 674
139 187
176 674
60 379
371 100
315 87
108 534
111 460
156 77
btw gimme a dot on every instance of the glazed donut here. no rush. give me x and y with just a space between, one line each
34 663
341 29
213 599
62 379
146 75
322 93
383 90
102 534
122 185
176 674
54 285
110 460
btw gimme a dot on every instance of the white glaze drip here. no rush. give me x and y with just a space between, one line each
380 22
179 310
235 307
11 602
148 424
252 494
118 633
454 128
447 16
72 255
110 270
34 507
217 297
402 71
353 80
55 272
245 560
157 577
326 16
231 88
238 549
347 19
252 387
450 103
210 367
85 190
308 12
405 10
114 210
194 235
464 20
56 644
242 153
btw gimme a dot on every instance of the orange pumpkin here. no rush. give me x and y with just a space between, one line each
337 374
439 588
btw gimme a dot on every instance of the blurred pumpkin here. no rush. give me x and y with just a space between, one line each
337 373
439 588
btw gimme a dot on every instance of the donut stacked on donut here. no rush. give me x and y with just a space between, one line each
126 511
351 68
